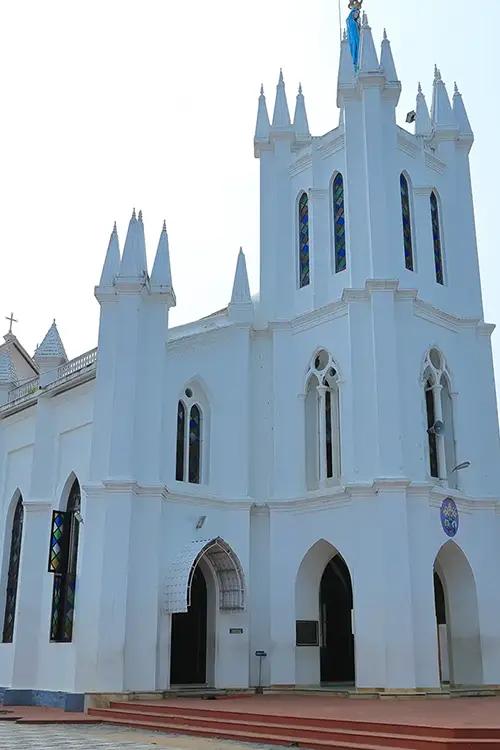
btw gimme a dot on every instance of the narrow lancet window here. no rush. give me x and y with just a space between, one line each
439 412
436 237
304 255
322 422
63 594
339 223
181 439
407 232
194 445
13 573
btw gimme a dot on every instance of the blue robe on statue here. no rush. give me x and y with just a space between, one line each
353 34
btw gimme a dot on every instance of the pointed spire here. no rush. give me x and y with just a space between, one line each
134 263
112 262
300 122
263 125
441 112
346 69
241 287
161 277
387 60
281 116
8 375
368 60
460 113
423 123
52 346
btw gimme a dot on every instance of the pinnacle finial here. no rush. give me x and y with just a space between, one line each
140 216
115 229
456 88
344 37
281 79
419 87
300 89
262 89
134 216
365 19
385 35
437 73
164 225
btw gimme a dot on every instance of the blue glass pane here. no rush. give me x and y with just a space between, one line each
194 445
407 234
436 236
304 271
339 224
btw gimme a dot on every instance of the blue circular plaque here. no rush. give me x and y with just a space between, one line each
449 517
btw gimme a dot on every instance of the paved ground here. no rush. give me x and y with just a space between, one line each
70 737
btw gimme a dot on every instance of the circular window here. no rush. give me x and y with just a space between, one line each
321 360
188 392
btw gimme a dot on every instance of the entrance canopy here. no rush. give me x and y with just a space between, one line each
225 565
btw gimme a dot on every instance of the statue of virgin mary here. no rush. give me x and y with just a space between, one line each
354 29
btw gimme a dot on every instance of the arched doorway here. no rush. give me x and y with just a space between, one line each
205 595
457 618
337 638
325 645
188 665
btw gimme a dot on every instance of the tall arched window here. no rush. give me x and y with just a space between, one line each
439 417
407 229
322 422
304 255
339 223
13 572
189 439
63 593
436 238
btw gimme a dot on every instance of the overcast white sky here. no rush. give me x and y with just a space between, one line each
111 104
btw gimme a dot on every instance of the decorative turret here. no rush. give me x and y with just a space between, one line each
387 60
300 122
50 354
161 277
346 69
112 262
368 60
443 119
281 116
423 123
241 307
263 125
461 117
134 263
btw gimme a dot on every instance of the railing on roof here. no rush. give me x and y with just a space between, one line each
78 364
24 389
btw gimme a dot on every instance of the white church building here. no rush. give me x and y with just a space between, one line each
313 472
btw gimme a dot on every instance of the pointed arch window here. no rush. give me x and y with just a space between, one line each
339 223
439 414
304 254
322 422
13 573
436 238
407 223
190 428
63 592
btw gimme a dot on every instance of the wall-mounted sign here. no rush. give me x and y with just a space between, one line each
449 517
236 631
307 632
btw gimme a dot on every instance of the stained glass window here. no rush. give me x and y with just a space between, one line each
436 236
58 543
339 223
304 270
13 573
194 444
63 594
181 439
407 232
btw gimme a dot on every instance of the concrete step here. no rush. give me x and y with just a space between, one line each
300 731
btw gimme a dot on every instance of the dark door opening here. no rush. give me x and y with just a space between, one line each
189 638
337 639
440 603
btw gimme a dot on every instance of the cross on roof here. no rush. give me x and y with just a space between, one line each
11 320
